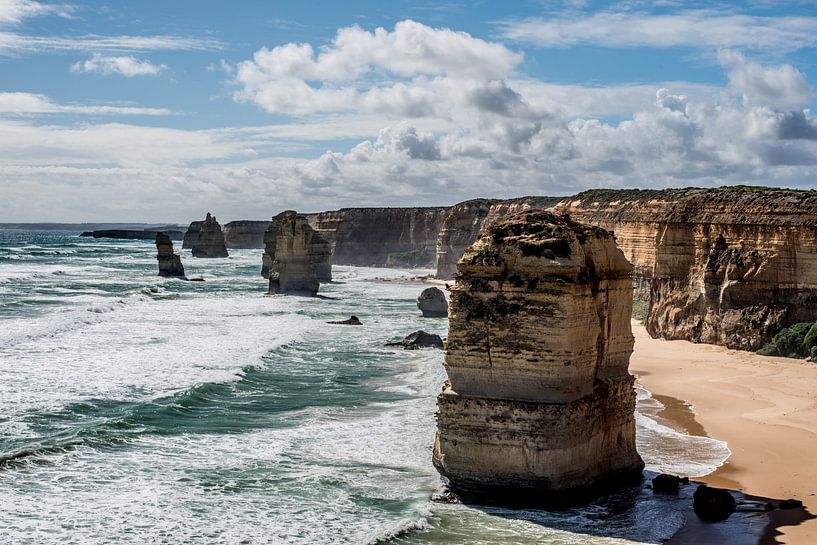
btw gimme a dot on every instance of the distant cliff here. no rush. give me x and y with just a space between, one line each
390 237
133 234
245 233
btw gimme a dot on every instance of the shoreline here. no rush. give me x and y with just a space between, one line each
764 408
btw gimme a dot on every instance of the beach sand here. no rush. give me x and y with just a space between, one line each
764 408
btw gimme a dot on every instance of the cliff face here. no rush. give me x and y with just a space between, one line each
539 400
205 238
724 266
463 222
245 234
296 258
391 237
170 264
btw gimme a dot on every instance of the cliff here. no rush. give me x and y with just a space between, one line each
132 234
539 404
245 234
170 264
205 238
462 224
390 237
728 266
296 258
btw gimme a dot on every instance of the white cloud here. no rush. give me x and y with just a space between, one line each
379 71
781 87
13 12
127 66
32 104
700 29
12 43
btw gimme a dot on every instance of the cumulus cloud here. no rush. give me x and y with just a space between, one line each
781 87
382 70
32 104
700 29
127 66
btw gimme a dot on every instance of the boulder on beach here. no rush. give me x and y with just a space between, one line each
353 320
170 264
433 304
713 504
668 484
420 339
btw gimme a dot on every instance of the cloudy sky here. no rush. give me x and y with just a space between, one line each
158 111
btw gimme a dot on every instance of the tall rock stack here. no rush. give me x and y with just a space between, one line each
205 238
539 405
170 264
292 268
318 249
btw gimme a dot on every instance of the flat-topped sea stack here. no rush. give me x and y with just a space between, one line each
297 258
318 249
539 405
205 238
170 264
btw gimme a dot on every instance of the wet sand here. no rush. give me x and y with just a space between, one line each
764 408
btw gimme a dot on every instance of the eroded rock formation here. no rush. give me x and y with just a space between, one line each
539 405
432 303
205 238
170 264
318 249
295 255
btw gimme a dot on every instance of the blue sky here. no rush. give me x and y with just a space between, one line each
158 111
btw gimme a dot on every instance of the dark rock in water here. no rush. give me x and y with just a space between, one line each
420 339
354 320
433 304
205 238
713 504
170 264
666 484
790 504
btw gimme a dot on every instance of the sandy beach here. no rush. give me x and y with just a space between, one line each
765 408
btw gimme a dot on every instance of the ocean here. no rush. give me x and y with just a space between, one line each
137 409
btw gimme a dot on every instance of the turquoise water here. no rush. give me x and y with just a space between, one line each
135 409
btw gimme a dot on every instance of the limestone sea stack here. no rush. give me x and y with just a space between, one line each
205 238
432 303
318 249
170 264
292 268
539 405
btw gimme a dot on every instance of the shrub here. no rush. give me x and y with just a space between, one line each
791 341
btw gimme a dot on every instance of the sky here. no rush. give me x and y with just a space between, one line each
160 111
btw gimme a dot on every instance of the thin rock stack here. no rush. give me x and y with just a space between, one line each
170 264
539 405
292 267
318 249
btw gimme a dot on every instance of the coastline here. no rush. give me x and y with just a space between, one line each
765 408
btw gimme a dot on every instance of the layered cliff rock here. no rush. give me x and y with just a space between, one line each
462 224
245 233
390 237
729 266
318 249
296 256
170 264
539 403
205 238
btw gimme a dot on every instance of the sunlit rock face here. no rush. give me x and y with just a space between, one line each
170 264
205 238
318 248
539 403
729 266
296 258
